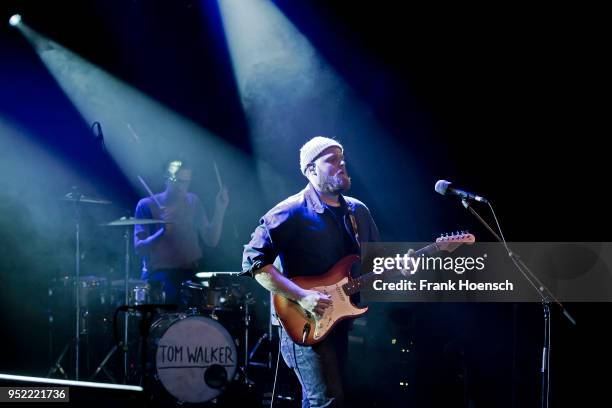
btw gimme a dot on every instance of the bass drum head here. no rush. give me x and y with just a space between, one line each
195 357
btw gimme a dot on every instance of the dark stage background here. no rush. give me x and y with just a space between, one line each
506 100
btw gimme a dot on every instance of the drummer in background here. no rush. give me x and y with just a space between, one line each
171 252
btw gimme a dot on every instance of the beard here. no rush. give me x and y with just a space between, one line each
334 184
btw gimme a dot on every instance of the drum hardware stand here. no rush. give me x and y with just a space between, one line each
147 312
50 321
145 326
254 350
266 336
57 366
102 366
124 345
247 319
74 196
126 235
118 345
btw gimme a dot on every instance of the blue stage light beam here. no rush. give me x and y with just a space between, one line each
290 93
139 133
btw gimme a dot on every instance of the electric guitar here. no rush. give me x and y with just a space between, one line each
306 328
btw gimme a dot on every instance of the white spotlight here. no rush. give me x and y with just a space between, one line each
15 20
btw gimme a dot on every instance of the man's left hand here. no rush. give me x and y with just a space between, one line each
411 270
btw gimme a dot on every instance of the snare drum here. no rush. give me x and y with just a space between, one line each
195 357
192 295
205 297
139 293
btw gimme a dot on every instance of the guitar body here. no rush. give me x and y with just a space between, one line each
306 328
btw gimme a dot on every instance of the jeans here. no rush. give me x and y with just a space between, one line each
319 368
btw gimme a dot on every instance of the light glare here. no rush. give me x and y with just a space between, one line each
15 20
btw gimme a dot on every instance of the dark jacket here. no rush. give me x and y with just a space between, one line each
306 235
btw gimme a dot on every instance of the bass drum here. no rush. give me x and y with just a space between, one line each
195 357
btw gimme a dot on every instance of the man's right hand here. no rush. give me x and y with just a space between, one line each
315 302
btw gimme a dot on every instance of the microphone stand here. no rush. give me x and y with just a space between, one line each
77 263
546 298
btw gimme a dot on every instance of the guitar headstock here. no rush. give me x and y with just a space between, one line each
450 242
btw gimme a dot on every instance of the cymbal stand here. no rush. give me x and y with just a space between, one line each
102 366
126 235
124 345
77 256
74 196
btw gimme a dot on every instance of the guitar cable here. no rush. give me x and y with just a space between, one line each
279 340
275 373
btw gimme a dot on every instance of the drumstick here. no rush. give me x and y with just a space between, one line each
220 189
133 132
150 192
218 175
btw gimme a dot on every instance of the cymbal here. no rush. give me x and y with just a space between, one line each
123 221
81 198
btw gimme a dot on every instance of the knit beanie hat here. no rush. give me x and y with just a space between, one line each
313 148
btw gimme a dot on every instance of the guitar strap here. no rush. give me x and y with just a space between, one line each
354 225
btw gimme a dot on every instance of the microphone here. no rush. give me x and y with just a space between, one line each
96 128
444 187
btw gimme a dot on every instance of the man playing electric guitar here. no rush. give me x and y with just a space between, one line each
310 232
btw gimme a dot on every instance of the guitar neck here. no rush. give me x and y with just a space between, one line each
355 285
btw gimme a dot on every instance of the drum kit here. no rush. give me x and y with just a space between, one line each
186 353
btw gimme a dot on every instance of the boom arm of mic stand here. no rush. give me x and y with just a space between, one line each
544 292
546 296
